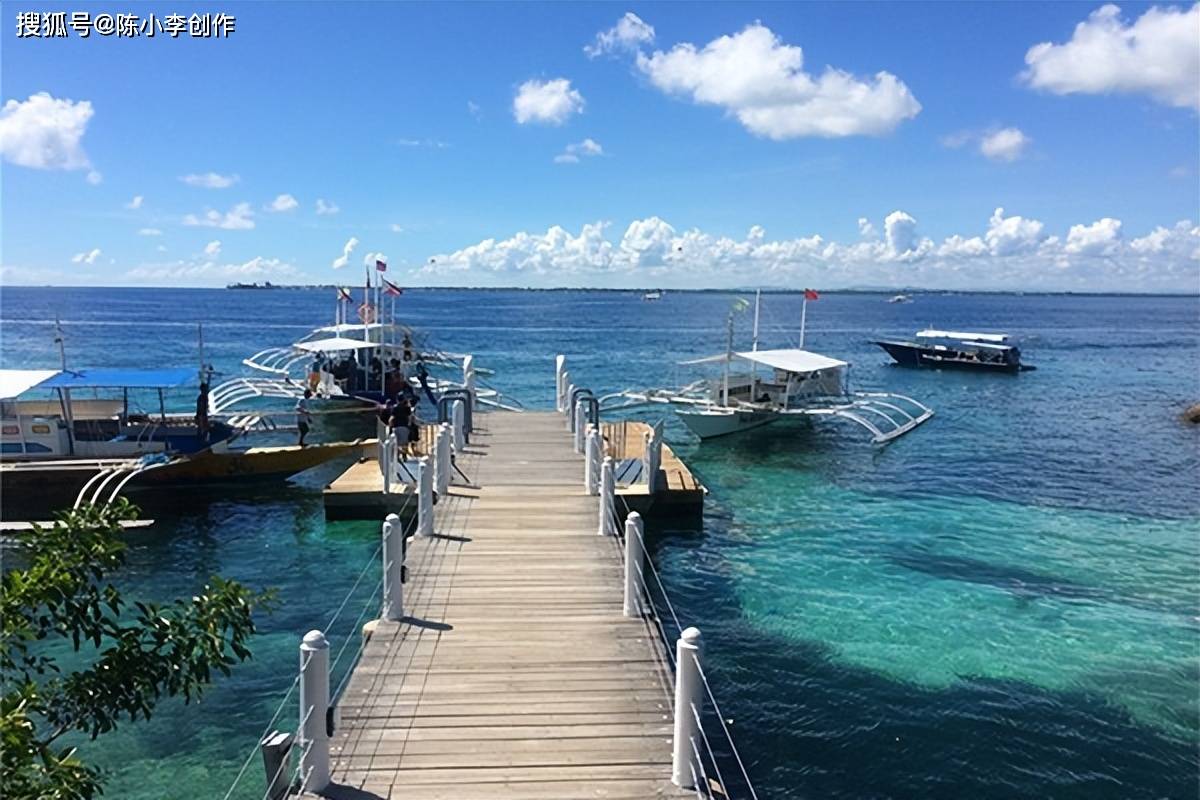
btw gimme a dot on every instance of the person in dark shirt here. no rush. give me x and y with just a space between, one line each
202 413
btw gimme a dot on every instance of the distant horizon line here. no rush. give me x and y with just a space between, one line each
763 289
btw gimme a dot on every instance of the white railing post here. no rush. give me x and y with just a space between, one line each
314 708
607 498
469 377
633 564
580 424
653 461
591 465
393 568
444 466
424 496
688 695
458 416
560 367
570 409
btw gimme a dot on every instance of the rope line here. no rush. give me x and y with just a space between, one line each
728 736
708 746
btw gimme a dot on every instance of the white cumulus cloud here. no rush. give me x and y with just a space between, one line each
1013 252
573 152
1102 237
210 180
283 202
149 232
548 102
761 81
1158 54
396 228
240 217
630 33
45 132
325 208
135 203
347 249
1006 144
213 248
207 270
88 257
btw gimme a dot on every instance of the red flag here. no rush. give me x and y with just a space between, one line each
380 265
391 288
811 294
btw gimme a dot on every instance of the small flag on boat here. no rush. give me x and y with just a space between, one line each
391 288
811 294
381 266
344 294
740 304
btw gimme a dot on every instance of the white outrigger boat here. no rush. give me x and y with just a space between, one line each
796 383
364 362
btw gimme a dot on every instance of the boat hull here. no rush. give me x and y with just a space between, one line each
711 423
910 355
34 490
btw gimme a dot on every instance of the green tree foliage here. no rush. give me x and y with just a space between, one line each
143 651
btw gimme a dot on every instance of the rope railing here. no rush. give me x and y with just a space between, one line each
655 597
725 727
372 562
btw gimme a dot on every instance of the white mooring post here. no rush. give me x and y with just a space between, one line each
314 708
688 695
458 416
570 408
591 465
443 466
424 496
633 563
580 424
393 568
560 367
608 490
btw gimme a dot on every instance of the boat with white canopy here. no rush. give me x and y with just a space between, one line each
757 387
365 362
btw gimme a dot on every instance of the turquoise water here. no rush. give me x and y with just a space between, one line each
1004 602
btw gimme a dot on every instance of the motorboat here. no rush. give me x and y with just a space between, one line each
900 298
939 349
757 387
652 295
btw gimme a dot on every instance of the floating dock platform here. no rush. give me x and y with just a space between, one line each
358 492
513 673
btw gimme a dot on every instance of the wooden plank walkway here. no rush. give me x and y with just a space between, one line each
516 675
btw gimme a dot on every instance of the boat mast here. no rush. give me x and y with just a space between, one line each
754 341
64 395
803 317
728 359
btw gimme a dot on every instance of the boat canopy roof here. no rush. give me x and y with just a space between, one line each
335 344
932 333
788 360
15 382
346 327
120 378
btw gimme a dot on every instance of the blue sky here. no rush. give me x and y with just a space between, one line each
712 165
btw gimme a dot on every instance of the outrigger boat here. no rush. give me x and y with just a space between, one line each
361 363
66 431
798 383
982 352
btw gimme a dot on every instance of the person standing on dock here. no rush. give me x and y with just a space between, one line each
303 416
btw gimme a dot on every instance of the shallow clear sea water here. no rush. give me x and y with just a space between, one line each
1005 602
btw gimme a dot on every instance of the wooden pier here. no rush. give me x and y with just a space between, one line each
514 673
358 492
